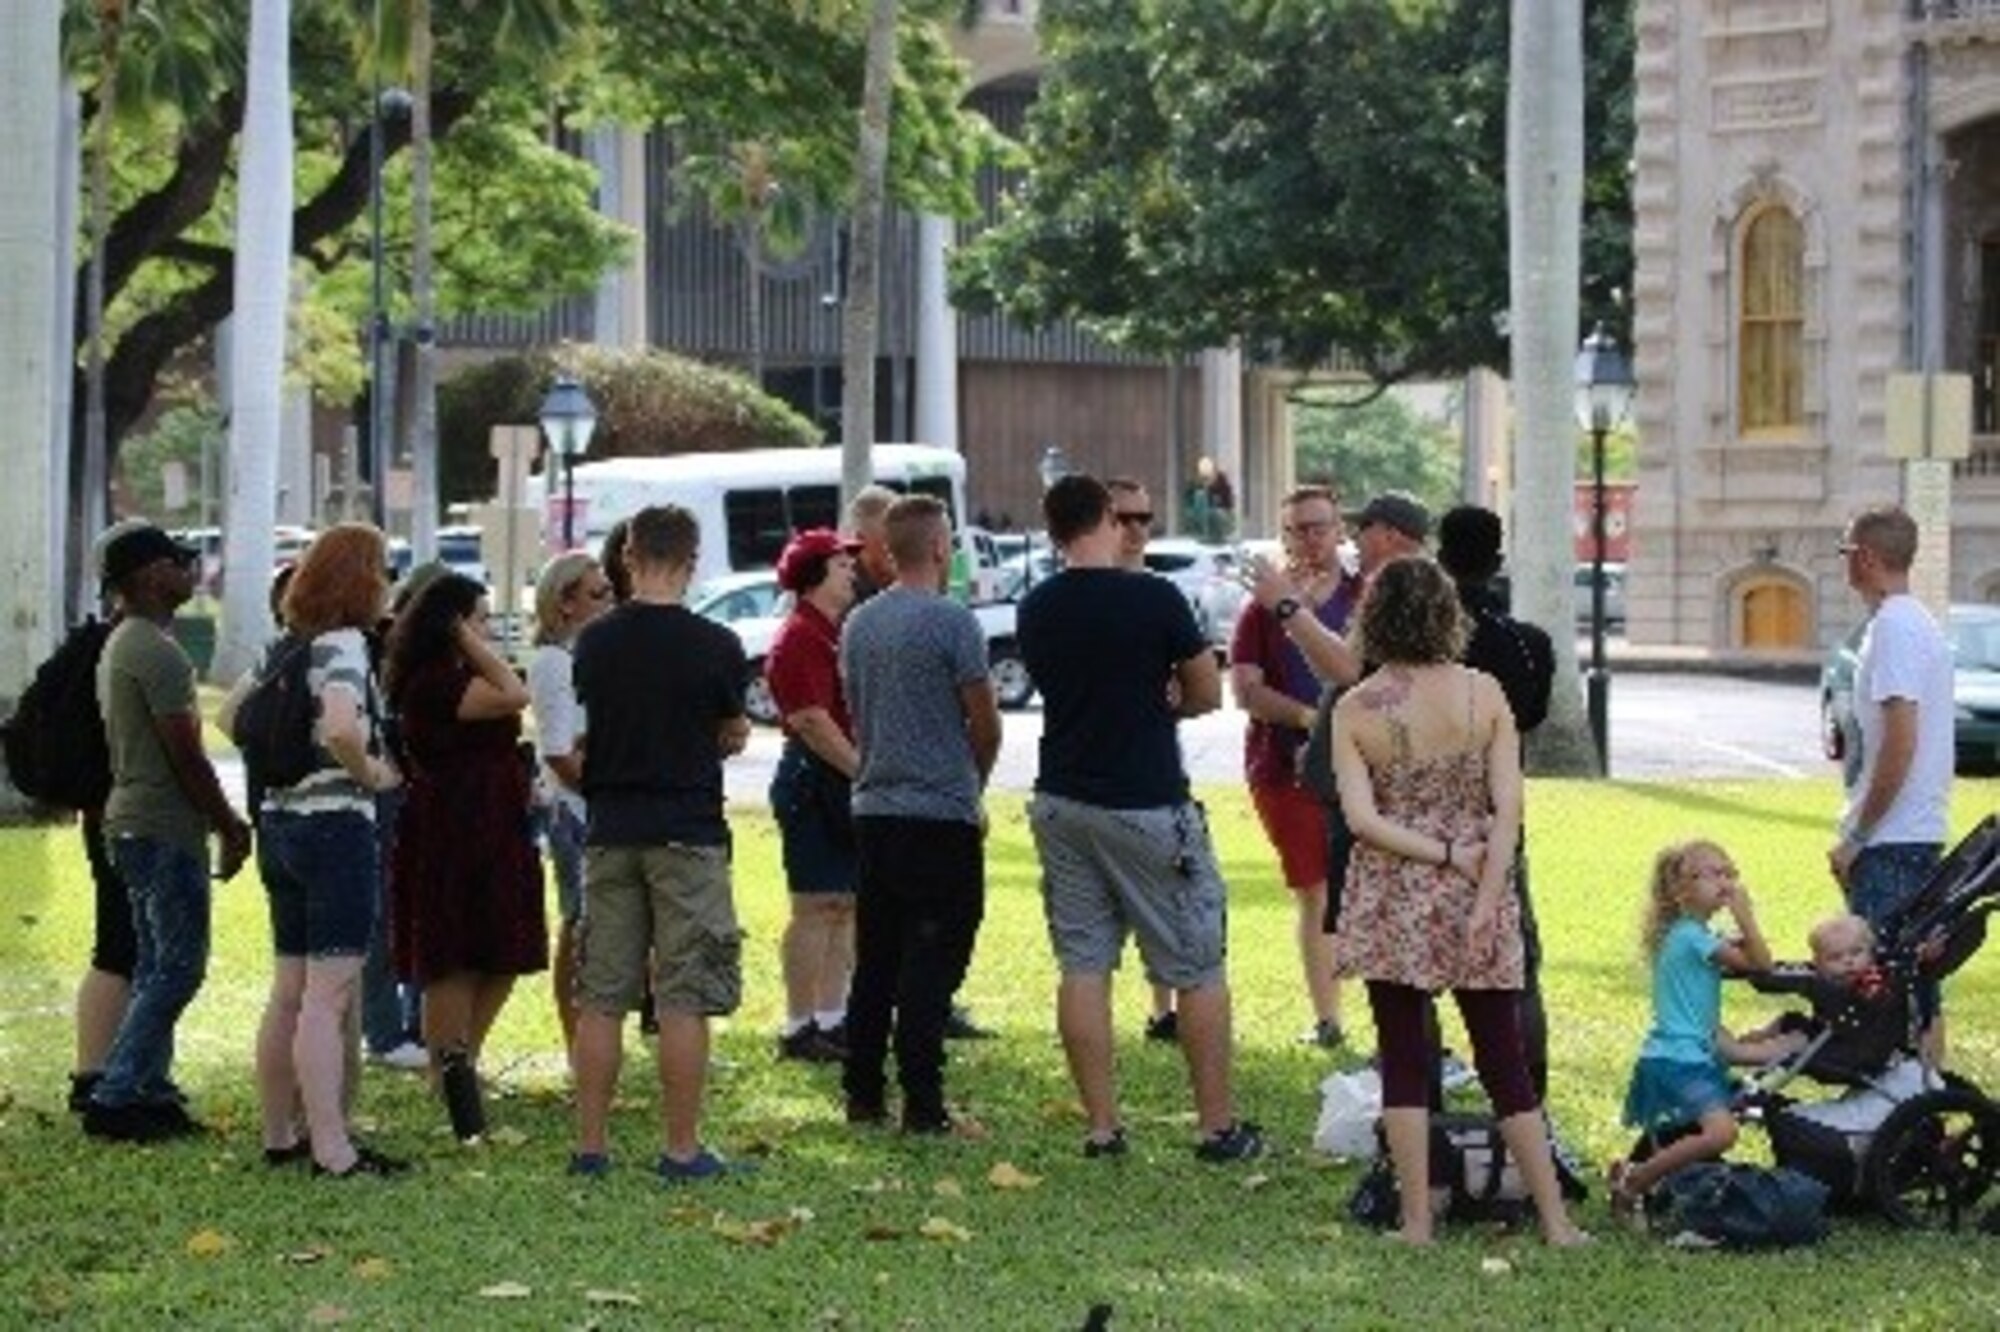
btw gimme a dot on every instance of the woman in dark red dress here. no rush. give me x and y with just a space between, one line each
466 908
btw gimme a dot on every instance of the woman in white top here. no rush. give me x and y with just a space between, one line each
571 592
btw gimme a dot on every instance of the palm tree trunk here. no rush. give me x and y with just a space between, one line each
30 111
861 326
1544 211
424 500
257 343
753 293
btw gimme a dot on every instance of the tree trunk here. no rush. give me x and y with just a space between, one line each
257 345
423 381
1544 213
30 110
861 325
753 293
91 505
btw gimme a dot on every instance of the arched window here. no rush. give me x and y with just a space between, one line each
1771 330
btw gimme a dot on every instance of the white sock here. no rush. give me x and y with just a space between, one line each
830 1018
795 1025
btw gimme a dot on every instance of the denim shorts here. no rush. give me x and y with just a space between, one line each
1882 882
815 824
565 836
323 874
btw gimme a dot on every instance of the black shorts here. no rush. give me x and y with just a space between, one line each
114 942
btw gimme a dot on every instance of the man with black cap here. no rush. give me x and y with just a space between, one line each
1521 658
1394 523
165 801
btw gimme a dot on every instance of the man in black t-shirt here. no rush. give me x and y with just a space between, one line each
662 693
1118 659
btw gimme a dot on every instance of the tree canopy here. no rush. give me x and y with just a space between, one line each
1316 178
515 222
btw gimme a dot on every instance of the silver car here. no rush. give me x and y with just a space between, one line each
1208 577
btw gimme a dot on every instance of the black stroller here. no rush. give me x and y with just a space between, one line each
1922 1146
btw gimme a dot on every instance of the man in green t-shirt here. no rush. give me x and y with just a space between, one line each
165 800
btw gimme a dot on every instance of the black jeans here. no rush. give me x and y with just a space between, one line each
922 895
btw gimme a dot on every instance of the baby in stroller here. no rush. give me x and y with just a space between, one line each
1856 1017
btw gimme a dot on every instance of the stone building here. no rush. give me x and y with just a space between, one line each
1817 195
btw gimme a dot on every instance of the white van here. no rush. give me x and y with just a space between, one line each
749 503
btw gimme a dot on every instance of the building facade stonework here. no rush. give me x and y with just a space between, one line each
1817 207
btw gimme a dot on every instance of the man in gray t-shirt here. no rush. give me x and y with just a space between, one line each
927 726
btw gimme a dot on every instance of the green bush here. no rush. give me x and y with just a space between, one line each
649 403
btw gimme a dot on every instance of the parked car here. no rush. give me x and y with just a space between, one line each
1614 598
1208 577
754 606
1974 633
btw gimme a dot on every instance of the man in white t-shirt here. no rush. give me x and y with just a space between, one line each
1893 830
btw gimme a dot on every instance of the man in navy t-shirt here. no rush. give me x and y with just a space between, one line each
1119 660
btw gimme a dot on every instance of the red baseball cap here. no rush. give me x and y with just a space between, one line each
816 543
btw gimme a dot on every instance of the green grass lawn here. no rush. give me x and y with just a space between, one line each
831 1232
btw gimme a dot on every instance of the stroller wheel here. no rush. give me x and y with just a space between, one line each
1934 1158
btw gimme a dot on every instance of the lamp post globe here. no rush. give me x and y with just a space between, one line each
1604 388
569 418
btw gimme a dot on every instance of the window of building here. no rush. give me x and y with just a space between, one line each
1771 331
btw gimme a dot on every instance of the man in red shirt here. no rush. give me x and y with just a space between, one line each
810 794
1277 687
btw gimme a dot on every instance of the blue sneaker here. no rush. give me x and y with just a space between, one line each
703 1165
589 1165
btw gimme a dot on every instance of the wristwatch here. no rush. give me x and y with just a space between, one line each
1285 608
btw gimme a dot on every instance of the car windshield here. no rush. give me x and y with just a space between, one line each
1975 644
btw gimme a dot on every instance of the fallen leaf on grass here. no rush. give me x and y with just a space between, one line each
374 1269
882 1230
303 1257
937 1228
1058 1112
688 1214
506 1290
326 1315
1495 1266
889 1185
802 1215
1255 1182
764 1233
507 1136
1007 1175
620 1297
948 1188
207 1243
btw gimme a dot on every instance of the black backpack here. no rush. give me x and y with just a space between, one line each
273 727
54 743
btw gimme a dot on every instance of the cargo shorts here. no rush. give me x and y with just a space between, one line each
673 900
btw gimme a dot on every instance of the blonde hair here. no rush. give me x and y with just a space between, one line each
1821 936
1663 901
559 575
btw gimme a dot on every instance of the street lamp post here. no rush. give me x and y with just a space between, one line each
569 418
1604 386
383 102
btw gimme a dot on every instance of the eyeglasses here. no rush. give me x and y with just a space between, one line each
1134 519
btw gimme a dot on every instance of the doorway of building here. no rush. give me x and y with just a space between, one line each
1771 614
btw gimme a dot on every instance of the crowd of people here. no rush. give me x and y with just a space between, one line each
423 820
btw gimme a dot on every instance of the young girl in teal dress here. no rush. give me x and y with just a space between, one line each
1682 1076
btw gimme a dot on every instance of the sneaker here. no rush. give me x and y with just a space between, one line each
959 1026
367 1163
410 1057
1163 1027
589 1165
81 1085
1454 1073
459 1082
810 1045
1241 1141
124 1123
703 1165
175 1121
1324 1034
1101 1149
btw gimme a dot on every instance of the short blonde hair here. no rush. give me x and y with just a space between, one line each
1825 934
558 576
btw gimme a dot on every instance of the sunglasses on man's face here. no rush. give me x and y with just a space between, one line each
1134 519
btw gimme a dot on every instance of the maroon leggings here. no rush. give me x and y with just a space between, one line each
1403 1021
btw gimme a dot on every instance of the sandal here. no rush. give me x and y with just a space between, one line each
1628 1205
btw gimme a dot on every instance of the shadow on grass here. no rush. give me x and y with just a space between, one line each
1737 803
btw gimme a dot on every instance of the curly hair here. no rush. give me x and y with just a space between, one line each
422 634
339 582
1663 897
1411 616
